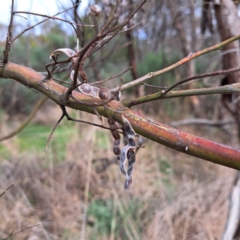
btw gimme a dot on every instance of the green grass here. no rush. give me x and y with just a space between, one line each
101 212
167 176
34 138
102 140
4 152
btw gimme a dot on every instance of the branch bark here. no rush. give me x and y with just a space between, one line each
153 130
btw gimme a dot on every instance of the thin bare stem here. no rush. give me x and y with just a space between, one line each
52 132
189 80
6 189
27 29
65 114
158 87
201 122
193 79
108 22
53 17
9 37
108 79
118 28
22 230
191 56
86 51
115 29
30 117
113 50
231 88
132 27
77 67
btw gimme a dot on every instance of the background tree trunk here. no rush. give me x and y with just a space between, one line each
186 46
229 26
132 52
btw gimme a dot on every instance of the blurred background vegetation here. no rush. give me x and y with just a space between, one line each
75 190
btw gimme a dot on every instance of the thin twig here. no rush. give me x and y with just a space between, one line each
6 189
191 56
132 27
158 87
113 50
13 234
115 29
65 114
53 17
231 88
195 78
86 51
9 40
52 132
108 79
201 122
77 66
118 28
108 22
30 117
27 29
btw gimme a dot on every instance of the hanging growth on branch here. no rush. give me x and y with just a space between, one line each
87 94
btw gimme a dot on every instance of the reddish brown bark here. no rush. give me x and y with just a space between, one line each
163 134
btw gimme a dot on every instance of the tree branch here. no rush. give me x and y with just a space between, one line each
201 122
163 134
191 56
27 29
197 77
9 36
53 18
30 117
231 88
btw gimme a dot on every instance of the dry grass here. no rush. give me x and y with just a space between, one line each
173 196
